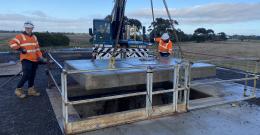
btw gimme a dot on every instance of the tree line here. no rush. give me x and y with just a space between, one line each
52 39
243 37
160 26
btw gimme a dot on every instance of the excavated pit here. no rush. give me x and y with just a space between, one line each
129 103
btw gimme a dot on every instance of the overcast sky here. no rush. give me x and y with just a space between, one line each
230 16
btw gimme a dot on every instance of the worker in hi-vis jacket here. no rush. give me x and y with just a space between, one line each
30 55
165 45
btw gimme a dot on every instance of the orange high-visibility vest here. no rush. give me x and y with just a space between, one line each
29 43
163 46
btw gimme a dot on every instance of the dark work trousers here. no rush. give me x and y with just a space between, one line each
164 54
29 71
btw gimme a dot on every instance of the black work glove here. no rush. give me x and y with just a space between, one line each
42 60
22 50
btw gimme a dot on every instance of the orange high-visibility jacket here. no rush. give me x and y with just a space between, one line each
29 43
163 46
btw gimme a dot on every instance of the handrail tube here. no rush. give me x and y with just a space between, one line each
116 69
119 96
105 98
166 91
55 61
55 83
233 80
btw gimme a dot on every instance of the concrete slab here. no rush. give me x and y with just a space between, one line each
219 92
225 120
134 76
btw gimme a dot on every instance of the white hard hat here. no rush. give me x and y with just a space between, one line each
165 36
28 24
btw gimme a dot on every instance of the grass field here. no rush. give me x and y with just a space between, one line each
225 53
225 48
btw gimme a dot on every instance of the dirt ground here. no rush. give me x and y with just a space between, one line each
231 48
225 53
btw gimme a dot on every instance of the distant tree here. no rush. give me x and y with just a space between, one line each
200 35
200 31
134 22
210 35
210 31
222 36
181 36
160 26
52 39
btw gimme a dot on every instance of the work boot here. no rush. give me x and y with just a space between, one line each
19 93
33 92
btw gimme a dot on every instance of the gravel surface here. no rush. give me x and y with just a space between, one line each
29 116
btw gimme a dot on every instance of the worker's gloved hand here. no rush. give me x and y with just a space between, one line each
22 50
42 60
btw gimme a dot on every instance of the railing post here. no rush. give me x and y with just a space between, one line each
49 78
175 87
64 98
47 72
246 81
256 72
187 84
149 91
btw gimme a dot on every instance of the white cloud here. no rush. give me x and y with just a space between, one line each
207 14
38 14
43 22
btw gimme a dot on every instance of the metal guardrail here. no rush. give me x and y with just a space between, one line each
149 88
177 87
253 75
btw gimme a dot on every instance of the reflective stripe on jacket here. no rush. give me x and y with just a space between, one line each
163 46
29 43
